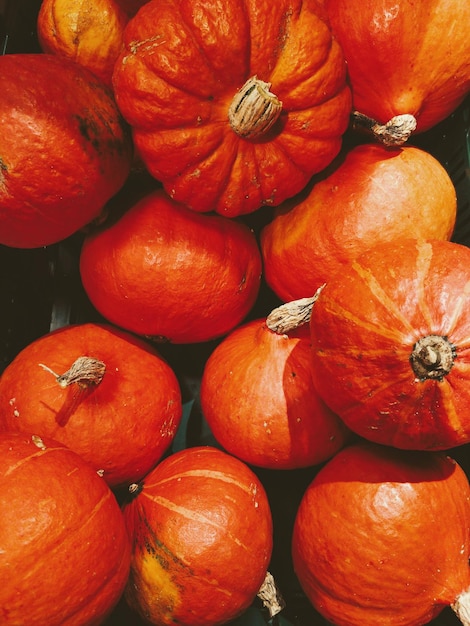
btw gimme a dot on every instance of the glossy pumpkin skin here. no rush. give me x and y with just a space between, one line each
122 425
258 398
89 32
404 57
202 539
381 536
165 271
66 153
183 64
65 550
390 339
375 194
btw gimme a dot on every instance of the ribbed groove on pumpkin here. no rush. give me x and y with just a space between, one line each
85 371
211 474
254 109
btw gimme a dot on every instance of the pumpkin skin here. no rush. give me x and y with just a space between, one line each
122 424
201 529
390 341
404 58
185 62
167 272
368 544
89 32
66 153
65 550
375 194
258 398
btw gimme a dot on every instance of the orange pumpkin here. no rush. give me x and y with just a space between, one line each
65 551
100 391
66 153
404 58
170 273
89 32
375 194
391 344
258 398
233 109
202 539
382 537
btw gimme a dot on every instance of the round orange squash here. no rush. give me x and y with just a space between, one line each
65 150
391 344
170 273
201 529
89 32
98 390
233 109
375 194
65 553
258 398
381 537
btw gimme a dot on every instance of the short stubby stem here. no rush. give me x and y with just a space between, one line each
84 371
395 132
432 357
254 109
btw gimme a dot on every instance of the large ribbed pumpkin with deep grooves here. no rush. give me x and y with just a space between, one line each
234 106
66 151
65 552
391 344
201 529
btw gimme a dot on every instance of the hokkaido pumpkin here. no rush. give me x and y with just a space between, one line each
404 58
381 536
98 390
278 421
237 108
66 151
89 32
65 550
167 272
375 194
391 339
201 529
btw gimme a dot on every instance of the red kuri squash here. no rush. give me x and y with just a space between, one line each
165 271
234 107
391 344
100 391
65 551
201 529
382 537
258 398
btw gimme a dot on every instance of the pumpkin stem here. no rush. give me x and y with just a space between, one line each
254 109
85 371
270 595
432 357
395 132
461 607
291 315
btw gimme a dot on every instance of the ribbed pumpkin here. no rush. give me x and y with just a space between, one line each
167 272
258 397
375 194
201 529
404 58
100 391
66 153
391 344
382 537
233 108
65 552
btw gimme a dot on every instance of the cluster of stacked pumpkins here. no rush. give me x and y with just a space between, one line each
205 155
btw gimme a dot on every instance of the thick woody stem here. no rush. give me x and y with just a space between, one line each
461 607
254 109
85 371
291 315
395 132
270 595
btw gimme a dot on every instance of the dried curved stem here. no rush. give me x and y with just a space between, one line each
395 132
291 315
84 371
461 607
270 595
